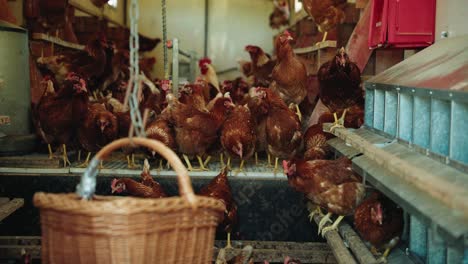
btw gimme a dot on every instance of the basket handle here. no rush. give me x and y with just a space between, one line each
87 185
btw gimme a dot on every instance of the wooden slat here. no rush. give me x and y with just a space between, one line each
321 45
8 208
359 249
357 47
58 41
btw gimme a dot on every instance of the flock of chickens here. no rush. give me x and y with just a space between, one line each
84 107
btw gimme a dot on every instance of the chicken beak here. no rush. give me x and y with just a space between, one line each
289 38
113 190
102 128
153 153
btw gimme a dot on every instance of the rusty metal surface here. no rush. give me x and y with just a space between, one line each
442 66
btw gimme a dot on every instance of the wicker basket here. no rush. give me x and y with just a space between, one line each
108 229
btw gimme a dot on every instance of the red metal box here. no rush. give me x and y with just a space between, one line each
402 23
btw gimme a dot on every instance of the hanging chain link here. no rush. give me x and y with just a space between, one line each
164 24
134 81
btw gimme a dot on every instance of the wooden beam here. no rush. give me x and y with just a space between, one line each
8 208
357 47
321 45
58 41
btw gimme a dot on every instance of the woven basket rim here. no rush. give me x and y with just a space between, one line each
118 205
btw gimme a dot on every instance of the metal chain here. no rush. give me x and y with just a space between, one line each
164 24
134 81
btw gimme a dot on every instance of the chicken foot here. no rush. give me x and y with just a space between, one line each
275 169
323 39
86 162
228 242
298 112
131 162
101 165
205 163
339 122
202 165
269 161
324 220
313 211
51 154
65 156
241 168
187 161
388 247
256 158
334 226
221 160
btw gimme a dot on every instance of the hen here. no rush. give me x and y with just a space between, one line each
238 135
315 143
262 65
339 81
219 188
259 110
330 184
290 74
280 15
379 221
283 129
238 89
196 130
147 188
98 128
161 129
56 114
327 14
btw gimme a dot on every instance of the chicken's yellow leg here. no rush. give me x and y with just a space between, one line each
269 160
241 167
129 163
51 155
332 227
298 112
339 122
101 165
228 164
189 165
324 220
65 156
313 211
256 158
275 170
323 39
200 161
79 155
228 243
207 161
86 162
221 159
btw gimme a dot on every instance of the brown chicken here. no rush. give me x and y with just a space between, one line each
340 88
98 128
379 221
327 14
259 111
5 12
193 94
196 130
147 188
238 89
219 188
315 143
262 65
56 114
238 135
330 184
290 74
280 15
162 130
283 129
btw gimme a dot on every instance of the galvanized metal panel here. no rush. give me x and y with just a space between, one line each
440 126
369 111
459 132
391 107
405 118
15 101
436 250
455 253
418 238
421 118
379 109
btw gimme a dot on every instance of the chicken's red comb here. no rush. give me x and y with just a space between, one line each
286 33
250 47
205 60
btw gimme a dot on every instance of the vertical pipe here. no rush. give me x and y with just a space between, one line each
418 238
207 7
193 66
436 250
175 66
